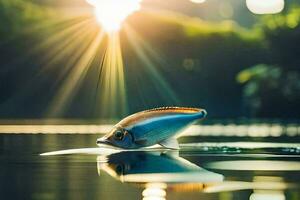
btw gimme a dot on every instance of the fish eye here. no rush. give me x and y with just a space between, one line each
118 135
119 169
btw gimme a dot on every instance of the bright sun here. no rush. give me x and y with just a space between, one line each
111 13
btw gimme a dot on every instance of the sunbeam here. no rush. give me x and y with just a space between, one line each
71 49
73 81
112 90
141 49
62 43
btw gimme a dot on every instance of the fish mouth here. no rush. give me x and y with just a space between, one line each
103 142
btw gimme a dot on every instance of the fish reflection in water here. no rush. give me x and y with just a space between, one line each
146 167
160 171
155 171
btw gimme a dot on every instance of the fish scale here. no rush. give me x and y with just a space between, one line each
157 131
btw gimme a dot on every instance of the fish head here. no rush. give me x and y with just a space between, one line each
118 137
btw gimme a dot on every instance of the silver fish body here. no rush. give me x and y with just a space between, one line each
150 127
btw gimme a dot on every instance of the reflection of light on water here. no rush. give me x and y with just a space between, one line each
276 130
155 191
200 176
292 130
92 151
256 165
54 129
241 185
185 187
269 193
251 130
255 130
264 184
265 6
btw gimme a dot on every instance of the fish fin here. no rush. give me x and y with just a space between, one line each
141 141
170 143
172 154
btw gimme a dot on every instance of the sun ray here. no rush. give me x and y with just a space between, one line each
112 98
76 76
74 46
63 43
58 48
47 48
140 47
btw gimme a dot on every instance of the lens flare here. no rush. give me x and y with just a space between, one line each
265 6
111 13
197 1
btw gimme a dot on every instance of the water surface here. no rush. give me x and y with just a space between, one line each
210 170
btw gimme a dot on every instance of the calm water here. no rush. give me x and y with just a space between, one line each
211 170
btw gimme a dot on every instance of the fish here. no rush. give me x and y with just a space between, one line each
151 127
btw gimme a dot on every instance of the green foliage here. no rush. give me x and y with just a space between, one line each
260 79
16 16
290 19
259 73
269 91
282 33
279 86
